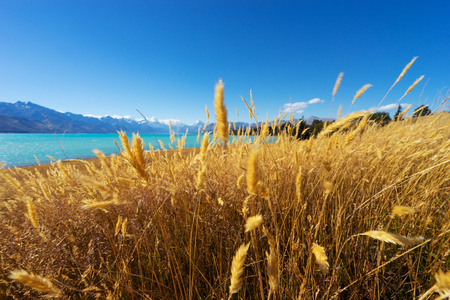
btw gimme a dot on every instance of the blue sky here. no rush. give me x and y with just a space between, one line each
164 57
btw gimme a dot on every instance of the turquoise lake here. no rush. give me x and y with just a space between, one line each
20 149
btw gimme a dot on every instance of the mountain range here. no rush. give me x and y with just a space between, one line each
28 117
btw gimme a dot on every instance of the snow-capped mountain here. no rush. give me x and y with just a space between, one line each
30 117
33 118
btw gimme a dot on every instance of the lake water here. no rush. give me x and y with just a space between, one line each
20 149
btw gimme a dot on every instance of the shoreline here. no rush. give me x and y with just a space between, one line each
94 160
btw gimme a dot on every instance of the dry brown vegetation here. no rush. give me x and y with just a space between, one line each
360 212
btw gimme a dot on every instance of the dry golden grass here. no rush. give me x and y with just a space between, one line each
221 113
237 268
360 92
321 257
170 224
399 210
253 223
394 238
36 282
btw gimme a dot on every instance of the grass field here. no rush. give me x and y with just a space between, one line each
359 212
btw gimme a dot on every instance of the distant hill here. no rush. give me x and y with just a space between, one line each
33 118
28 117
21 125
311 119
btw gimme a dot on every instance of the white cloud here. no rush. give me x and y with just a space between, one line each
315 100
298 107
392 106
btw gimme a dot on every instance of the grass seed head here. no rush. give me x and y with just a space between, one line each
413 85
272 270
361 91
221 113
252 172
443 282
399 210
40 284
237 268
207 112
393 238
327 187
32 214
405 69
253 223
338 83
321 257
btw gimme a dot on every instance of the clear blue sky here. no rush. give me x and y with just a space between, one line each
164 57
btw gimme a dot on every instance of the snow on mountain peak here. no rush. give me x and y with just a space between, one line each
172 121
93 116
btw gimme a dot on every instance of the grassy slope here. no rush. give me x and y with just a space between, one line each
168 226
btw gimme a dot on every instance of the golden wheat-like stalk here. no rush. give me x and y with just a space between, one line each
13 181
405 69
298 183
403 112
252 103
442 286
361 91
399 210
272 271
98 205
443 280
237 268
118 224
39 283
336 125
204 148
339 112
123 228
363 123
250 113
321 257
138 150
443 283
411 87
64 170
239 180
327 187
270 238
252 172
134 154
221 113
200 177
338 83
393 238
101 156
264 131
32 214
253 223
126 145
207 112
